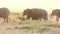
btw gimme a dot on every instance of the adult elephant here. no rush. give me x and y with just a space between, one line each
55 12
35 14
4 12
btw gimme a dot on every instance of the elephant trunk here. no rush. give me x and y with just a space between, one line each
51 16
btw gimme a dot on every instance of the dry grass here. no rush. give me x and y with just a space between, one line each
33 25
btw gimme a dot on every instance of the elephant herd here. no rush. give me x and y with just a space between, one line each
39 14
34 14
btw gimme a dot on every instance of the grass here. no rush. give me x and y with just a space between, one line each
24 27
33 28
43 29
38 26
52 24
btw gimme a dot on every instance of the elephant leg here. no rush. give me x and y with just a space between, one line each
7 20
45 19
37 18
28 17
33 18
40 19
4 19
57 19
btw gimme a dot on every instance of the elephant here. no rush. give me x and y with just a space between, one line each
55 12
4 12
35 14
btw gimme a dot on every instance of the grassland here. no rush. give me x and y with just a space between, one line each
16 26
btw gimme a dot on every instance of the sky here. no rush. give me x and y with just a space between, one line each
20 5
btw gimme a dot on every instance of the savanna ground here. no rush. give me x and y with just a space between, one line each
16 26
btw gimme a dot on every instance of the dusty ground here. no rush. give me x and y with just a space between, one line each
12 28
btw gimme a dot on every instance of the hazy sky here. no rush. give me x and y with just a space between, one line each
20 5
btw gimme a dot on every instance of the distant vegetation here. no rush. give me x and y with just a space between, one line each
13 13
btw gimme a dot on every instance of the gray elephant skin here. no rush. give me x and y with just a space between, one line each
4 12
55 12
35 14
